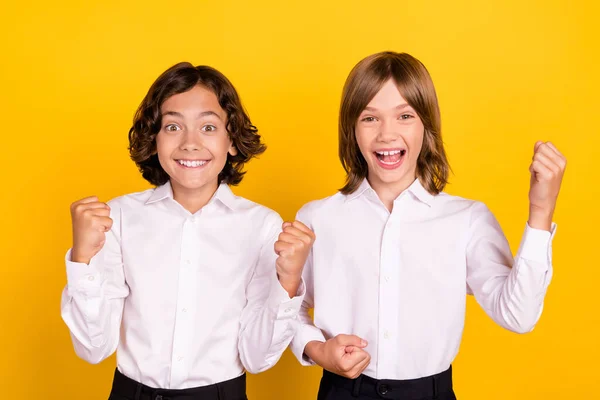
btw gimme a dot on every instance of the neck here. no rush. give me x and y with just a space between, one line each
194 199
388 192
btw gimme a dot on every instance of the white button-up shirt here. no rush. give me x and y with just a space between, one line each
186 300
400 279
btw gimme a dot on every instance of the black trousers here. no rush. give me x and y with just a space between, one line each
125 388
435 387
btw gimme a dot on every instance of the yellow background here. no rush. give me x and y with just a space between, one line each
507 72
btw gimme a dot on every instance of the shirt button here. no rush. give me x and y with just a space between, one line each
288 310
386 335
179 358
387 278
91 278
188 262
193 219
184 310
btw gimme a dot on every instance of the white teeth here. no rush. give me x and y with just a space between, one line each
192 164
389 153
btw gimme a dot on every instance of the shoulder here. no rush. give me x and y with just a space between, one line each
314 210
131 200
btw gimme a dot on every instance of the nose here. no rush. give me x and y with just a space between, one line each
191 141
388 131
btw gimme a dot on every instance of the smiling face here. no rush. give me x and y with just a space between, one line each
389 134
389 126
193 142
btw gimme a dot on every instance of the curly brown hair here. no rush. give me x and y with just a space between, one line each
416 87
178 79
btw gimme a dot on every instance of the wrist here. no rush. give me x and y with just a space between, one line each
313 350
540 218
78 256
290 283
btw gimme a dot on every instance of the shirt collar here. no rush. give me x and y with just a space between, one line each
226 196
416 189
160 193
223 195
363 188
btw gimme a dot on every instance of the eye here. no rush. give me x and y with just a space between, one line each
406 116
171 128
368 119
209 128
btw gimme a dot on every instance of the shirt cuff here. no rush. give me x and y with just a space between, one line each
280 302
536 245
81 276
305 334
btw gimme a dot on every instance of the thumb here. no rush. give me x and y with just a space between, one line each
537 145
351 340
356 356
351 349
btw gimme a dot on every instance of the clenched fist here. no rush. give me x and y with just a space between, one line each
343 355
547 169
293 247
91 220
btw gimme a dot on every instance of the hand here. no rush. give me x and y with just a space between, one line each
343 355
91 220
547 169
292 249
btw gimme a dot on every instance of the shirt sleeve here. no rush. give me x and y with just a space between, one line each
270 317
511 291
306 331
92 301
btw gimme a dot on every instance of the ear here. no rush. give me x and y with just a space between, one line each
232 150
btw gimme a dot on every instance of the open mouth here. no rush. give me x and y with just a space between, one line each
192 163
390 158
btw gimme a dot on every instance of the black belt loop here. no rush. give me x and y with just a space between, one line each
221 392
138 392
435 386
356 388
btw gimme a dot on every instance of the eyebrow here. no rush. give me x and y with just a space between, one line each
202 114
398 107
